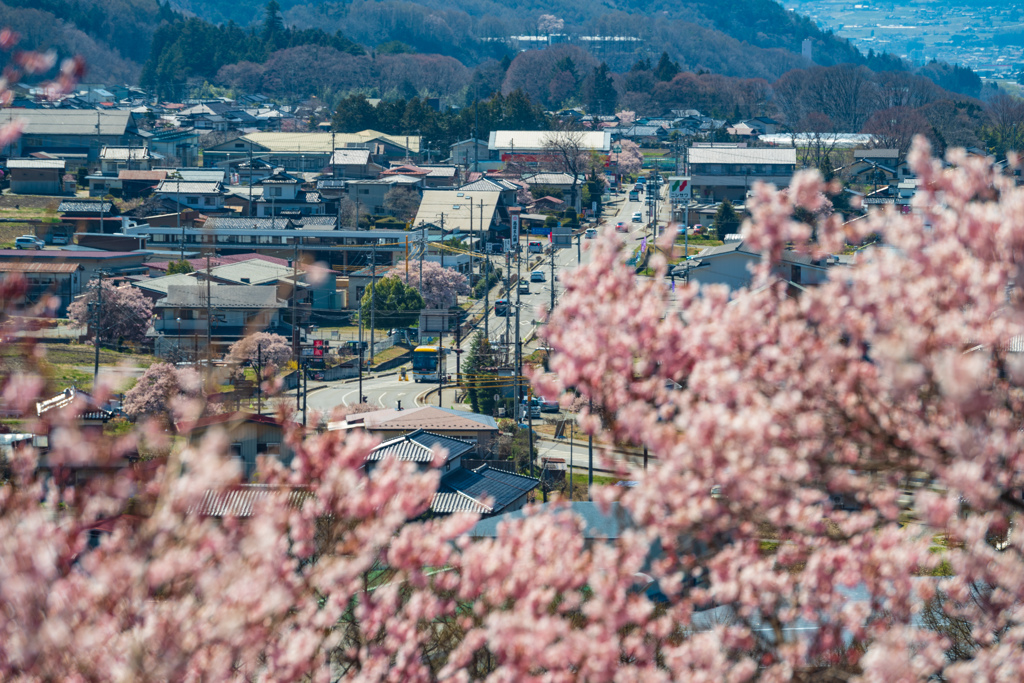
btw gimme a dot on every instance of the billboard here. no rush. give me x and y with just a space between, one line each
679 189
514 218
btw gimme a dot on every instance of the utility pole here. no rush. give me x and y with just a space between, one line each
209 322
295 298
177 215
259 378
360 363
579 251
373 298
552 277
508 301
440 362
98 308
250 182
487 279
305 394
529 428
590 459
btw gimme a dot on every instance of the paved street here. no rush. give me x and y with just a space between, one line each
386 390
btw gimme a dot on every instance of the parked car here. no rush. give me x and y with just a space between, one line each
638 217
524 287
534 407
59 239
591 233
537 276
621 227
28 242
547 406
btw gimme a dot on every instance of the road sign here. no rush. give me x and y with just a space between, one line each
318 343
679 189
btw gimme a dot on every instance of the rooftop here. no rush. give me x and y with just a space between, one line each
743 155
221 296
68 121
177 187
533 140
84 206
125 153
36 163
430 418
483 490
419 446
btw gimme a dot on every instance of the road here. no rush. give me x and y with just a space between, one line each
387 390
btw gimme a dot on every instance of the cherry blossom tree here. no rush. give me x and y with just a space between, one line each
549 23
264 352
626 118
630 160
124 312
784 432
158 387
440 287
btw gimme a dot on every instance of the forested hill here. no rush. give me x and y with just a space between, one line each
456 27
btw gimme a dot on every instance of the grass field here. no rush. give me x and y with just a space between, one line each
83 354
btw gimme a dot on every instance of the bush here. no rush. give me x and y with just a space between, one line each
483 285
550 222
389 223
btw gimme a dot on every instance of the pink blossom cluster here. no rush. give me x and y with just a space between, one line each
439 287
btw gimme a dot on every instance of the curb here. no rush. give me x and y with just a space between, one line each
630 453
366 376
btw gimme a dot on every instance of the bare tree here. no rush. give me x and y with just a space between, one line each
816 147
570 156
895 128
1005 124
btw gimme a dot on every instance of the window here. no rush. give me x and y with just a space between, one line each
191 200
209 201
796 274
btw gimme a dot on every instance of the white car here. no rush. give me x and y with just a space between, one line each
638 217
28 242
537 276
591 233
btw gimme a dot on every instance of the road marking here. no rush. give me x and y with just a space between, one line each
380 400
344 399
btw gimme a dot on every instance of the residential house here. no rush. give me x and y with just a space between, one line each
179 145
462 211
90 215
249 436
181 318
310 152
354 163
481 430
90 415
282 194
202 196
482 490
556 181
56 284
763 125
876 167
469 153
156 287
432 175
36 176
369 194
318 286
722 172
136 184
732 264
69 133
92 263
159 268
116 159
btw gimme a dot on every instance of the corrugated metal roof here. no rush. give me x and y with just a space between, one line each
742 155
222 296
419 447
242 501
463 489
68 121
73 206
155 176
536 140
36 163
188 187
123 153
22 267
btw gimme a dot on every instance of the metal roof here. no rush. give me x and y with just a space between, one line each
221 296
430 418
350 157
199 175
241 501
419 446
324 142
162 283
596 524
23 267
536 140
123 153
742 155
153 176
238 223
492 490
455 205
80 206
187 187
68 121
36 163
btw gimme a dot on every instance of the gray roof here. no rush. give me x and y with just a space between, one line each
200 175
186 187
73 206
237 223
221 296
553 179
743 155
876 153
488 185
482 490
596 524
122 153
241 501
252 271
331 184
36 163
316 221
160 284
68 121
419 446
350 157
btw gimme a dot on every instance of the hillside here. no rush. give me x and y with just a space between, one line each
749 38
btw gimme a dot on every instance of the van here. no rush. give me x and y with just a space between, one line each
28 242
535 247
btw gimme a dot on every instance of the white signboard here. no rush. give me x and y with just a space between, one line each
679 189
515 227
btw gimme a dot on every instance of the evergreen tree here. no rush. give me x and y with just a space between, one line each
666 69
354 113
602 92
273 32
476 376
727 221
395 304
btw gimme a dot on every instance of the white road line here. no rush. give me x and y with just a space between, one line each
344 399
380 399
